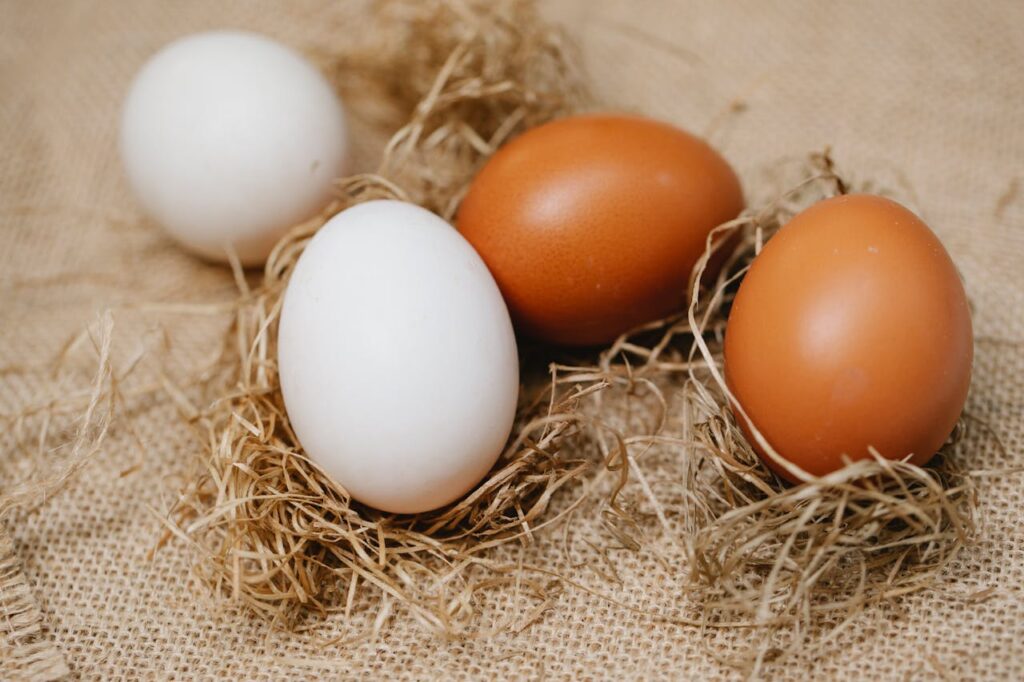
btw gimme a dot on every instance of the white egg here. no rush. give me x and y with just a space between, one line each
397 357
228 139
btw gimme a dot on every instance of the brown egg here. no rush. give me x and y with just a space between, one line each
850 330
591 225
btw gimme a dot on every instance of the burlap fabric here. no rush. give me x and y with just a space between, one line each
933 90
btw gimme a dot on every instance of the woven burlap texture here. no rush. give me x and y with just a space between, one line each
24 647
929 91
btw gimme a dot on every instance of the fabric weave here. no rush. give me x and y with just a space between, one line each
929 92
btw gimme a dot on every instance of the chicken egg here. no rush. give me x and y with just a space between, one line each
228 139
397 358
592 224
850 331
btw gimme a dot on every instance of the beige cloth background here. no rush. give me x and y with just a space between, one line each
933 90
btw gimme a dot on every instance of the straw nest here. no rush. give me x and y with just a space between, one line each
792 563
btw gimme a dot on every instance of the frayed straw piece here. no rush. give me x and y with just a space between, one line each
85 440
269 528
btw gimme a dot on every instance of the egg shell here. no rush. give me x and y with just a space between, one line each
592 224
850 330
397 357
228 139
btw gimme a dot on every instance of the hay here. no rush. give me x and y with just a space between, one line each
460 77
47 434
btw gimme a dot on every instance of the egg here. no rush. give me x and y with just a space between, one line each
228 139
397 357
592 224
850 331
